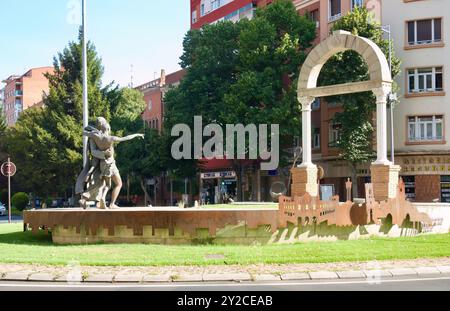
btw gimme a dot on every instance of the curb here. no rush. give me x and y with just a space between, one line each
141 278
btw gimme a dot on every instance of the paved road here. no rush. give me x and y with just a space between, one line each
15 219
441 283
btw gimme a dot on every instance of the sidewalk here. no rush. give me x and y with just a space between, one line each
253 273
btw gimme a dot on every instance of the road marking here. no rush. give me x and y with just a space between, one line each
172 285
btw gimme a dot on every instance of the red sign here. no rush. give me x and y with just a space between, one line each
8 169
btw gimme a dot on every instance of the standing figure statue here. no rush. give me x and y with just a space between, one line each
98 176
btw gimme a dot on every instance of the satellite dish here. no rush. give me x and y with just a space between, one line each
277 190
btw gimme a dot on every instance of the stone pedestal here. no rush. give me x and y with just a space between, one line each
385 181
305 180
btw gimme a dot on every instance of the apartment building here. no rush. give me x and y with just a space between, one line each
419 29
2 98
154 92
23 92
211 11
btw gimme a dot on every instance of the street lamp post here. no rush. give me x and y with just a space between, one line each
85 85
387 29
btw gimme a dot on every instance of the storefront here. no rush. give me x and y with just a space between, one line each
218 187
427 178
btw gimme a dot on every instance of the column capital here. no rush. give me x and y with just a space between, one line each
306 102
382 92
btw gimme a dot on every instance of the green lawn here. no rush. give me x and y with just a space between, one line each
19 247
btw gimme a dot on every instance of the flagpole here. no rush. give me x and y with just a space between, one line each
85 85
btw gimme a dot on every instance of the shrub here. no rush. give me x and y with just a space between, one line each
20 201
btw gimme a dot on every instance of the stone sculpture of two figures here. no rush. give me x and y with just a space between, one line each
101 172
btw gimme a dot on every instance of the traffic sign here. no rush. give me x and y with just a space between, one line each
8 169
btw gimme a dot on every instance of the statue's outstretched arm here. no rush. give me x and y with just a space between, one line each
127 138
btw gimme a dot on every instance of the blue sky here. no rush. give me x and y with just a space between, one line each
147 34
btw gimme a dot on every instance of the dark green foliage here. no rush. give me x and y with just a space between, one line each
46 143
20 201
244 73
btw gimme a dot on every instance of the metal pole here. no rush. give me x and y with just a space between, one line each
391 104
85 85
9 190
387 29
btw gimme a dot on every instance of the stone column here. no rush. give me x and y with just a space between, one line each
305 177
385 174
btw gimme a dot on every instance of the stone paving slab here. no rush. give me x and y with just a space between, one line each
444 269
266 277
427 271
69 279
403 271
187 278
100 278
295 276
16 276
227 277
41 277
323 275
377 273
129 278
351 274
268 273
164 278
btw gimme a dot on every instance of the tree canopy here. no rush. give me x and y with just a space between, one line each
244 72
46 143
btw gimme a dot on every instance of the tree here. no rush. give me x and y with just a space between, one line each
244 73
46 143
3 129
127 106
355 143
137 159
272 48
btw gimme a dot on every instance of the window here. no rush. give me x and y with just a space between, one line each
215 4
150 105
334 134
314 16
194 17
425 128
316 138
426 31
334 9
357 3
425 80
202 9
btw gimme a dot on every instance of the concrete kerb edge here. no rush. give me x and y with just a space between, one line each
174 278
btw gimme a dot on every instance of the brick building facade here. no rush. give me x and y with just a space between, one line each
23 92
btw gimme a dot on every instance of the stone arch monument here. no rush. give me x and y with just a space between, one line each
384 173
